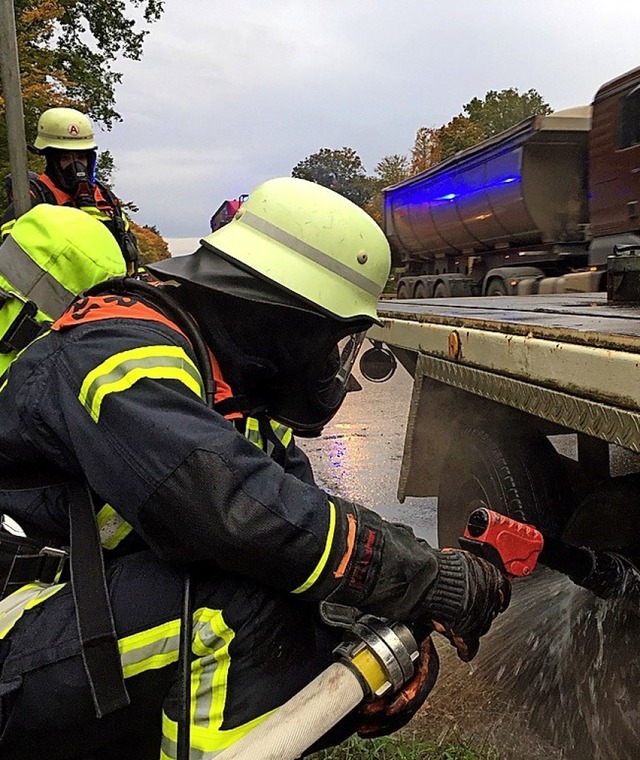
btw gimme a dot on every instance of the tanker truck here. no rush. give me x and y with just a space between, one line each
537 208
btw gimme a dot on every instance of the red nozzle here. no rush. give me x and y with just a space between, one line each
511 545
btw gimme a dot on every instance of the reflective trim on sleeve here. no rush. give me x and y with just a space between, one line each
120 372
325 554
13 607
113 528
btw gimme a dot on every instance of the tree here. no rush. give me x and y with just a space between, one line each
388 171
339 170
426 151
498 111
458 134
151 245
67 49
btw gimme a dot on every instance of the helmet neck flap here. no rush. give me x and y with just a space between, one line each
280 359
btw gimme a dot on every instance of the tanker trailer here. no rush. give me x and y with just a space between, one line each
537 208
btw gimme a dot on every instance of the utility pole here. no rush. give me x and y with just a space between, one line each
14 114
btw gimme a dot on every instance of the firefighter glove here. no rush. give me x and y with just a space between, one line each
465 598
389 713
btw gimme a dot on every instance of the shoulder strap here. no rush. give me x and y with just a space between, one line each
108 195
48 191
94 618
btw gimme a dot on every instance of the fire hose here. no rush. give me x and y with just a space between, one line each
377 656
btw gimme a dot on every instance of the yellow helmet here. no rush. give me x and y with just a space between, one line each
64 129
303 239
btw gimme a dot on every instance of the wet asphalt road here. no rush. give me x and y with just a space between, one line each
359 455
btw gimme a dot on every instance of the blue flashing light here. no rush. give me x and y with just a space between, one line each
424 194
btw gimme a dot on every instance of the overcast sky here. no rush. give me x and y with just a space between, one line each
231 93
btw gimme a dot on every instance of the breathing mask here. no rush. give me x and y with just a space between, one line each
78 175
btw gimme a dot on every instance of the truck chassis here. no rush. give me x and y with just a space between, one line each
496 381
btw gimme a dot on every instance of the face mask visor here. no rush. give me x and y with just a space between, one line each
348 348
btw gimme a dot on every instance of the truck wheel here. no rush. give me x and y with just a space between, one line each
440 291
421 291
520 475
496 288
403 291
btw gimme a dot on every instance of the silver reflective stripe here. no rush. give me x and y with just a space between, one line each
311 253
32 280
13 607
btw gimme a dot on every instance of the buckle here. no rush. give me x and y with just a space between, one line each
24 327
53 564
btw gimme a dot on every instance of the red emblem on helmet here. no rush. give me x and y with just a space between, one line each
73 130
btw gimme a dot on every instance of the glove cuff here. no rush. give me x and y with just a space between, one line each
447 597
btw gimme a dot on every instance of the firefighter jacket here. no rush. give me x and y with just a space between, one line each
113 391
106 207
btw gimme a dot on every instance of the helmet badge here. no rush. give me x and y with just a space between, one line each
73 129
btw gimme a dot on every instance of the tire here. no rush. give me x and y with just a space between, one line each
496 288
403 292
421 291
441 291
608 518
520 475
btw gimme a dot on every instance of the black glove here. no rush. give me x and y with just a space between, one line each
483 595
389 713
397 576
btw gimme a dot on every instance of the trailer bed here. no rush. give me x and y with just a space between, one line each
571 359
580 318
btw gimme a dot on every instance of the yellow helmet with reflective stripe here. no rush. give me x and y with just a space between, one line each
62 245
64 129
52 254
304 241
311 241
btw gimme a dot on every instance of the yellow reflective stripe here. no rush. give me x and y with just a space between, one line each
252 432
151 649
121 371
7 227
284 433
96 213
113 528
209 687
13 607
205 647
325 554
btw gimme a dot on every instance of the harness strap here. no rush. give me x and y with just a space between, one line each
96 629
24 327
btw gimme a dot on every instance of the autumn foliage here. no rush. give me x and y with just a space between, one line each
151 245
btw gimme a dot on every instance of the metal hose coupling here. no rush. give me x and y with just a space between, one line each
381 654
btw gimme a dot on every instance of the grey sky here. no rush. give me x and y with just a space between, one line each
231 93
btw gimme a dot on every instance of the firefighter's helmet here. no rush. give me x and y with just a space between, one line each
64 129
301 238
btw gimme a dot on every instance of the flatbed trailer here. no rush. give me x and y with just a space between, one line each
530 404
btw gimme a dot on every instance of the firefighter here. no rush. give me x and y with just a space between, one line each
180 404
65 138
52 254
